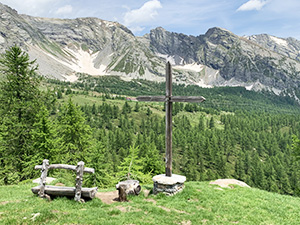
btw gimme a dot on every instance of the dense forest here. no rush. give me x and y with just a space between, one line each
234 134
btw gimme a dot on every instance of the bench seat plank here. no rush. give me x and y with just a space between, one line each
66 191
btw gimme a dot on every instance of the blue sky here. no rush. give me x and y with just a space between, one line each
280 18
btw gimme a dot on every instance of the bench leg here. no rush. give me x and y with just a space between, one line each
79 178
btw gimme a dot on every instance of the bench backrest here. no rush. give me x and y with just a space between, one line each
80 169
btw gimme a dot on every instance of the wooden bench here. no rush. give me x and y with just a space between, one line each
45 191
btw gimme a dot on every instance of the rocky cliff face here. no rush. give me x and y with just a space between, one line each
85 45
238 60
289 47
63 48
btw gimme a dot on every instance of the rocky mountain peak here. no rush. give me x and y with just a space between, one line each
221 36
65 47
6 8
289 47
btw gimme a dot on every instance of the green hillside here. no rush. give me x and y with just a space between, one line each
199 203
235 133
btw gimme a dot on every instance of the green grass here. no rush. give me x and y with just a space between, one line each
199 203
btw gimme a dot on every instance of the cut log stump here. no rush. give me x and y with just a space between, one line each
128 187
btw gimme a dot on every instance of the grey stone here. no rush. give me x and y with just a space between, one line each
163 179
168 185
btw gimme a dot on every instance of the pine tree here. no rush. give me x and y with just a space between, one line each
211 123
153 162
43 142
131 167
75 134
20 100
101 160
296 147
201 126
137 107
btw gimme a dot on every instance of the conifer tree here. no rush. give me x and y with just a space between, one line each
296 147
20 100
101 160
153 162
212 123
75 134
201 126
43 142
131 167
137 107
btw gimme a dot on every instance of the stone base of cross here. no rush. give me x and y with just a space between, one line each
168 179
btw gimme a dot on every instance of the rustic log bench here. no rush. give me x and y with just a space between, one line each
79 193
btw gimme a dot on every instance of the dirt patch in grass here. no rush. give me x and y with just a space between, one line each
186 222
164 208
193 200
7 202
146 192
169 210
150 200
127 209
122 208
57 211
108 197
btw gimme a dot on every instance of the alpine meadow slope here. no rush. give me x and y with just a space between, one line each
199 203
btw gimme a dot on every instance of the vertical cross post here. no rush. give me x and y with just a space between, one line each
169 99
168 120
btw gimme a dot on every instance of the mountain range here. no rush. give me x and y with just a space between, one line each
65 48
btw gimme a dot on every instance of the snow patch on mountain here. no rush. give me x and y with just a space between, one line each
192 67
2 40
279 41
71 78
168 58
84 62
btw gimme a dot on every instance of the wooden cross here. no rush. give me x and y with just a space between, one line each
169 99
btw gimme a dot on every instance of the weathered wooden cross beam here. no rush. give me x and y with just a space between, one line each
169 99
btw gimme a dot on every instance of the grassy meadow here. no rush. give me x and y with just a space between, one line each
199 203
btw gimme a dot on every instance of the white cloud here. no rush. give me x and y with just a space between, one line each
32 7
64 10
138 17
137 29
253 5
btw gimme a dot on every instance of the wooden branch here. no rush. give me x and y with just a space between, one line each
66 191
172 99
44 169
151 98
79 178
65 166
187 99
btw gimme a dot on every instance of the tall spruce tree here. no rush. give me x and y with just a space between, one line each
20 101
75 135
43 141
